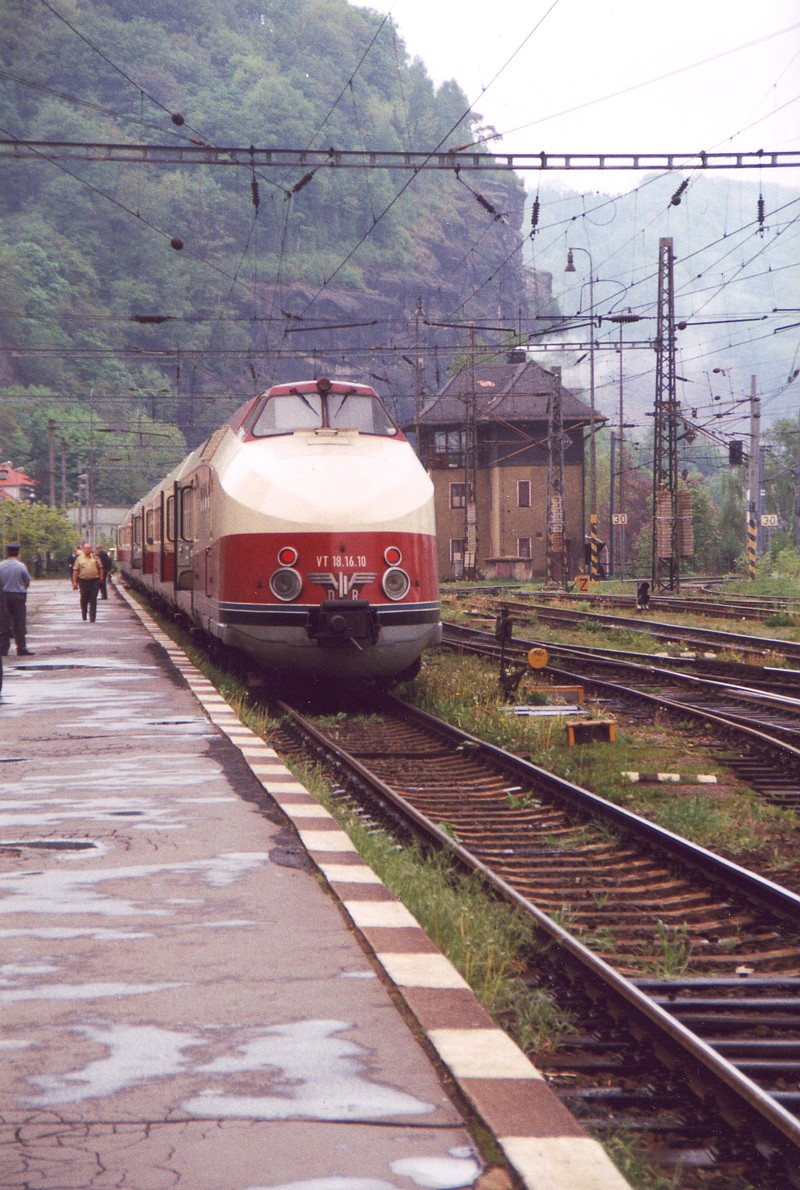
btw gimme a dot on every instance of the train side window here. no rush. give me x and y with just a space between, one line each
359 411
289 412
523 493
137 530
187 514
148 526
170 518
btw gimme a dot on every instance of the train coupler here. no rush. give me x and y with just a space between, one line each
342 622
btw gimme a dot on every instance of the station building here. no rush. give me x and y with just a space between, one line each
488 431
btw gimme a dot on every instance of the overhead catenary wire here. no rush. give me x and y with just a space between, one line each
648 82
406 185
175 117
137 217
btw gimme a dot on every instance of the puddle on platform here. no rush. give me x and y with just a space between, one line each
314 1073
49 844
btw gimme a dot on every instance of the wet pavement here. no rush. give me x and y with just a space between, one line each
185 1000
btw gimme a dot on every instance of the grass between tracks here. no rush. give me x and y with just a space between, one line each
728 817
489 942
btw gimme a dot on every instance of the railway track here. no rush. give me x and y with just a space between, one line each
711 604
682 969
705 638
698 662
760 727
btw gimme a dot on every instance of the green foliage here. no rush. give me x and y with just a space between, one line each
731 539
126 452
85 250
787 564
36 526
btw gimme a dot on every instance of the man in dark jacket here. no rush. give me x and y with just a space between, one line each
14 582
108 566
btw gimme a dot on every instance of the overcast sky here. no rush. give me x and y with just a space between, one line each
620 76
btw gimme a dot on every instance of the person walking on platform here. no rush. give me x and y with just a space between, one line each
108 566
14 582
87 575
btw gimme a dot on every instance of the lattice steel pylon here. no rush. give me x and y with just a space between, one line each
665 567
471 469
555 541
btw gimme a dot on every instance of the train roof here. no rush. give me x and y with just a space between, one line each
240 417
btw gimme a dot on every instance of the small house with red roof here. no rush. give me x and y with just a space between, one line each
16 485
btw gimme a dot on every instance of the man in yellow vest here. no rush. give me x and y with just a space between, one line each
87 574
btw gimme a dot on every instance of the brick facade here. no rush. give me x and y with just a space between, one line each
510 420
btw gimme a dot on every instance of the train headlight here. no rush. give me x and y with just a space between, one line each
285 584
395 583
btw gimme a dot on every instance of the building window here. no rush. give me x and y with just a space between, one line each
448 448
457 547
523 547
523 493
458 495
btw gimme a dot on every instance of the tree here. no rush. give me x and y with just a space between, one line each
732 538
99 310
35 526
783 475
705 517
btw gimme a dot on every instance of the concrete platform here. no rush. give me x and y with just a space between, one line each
200 977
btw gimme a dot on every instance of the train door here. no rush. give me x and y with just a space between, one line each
204 532
184 536
149 559
162 538
136 541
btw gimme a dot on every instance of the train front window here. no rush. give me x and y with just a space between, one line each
358 411
286 413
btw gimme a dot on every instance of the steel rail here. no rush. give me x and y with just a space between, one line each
456 634
721 609
757 678
736 1093
662 630
780 748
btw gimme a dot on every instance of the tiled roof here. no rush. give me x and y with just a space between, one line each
508 391
14 479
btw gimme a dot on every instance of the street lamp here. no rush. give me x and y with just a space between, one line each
570 268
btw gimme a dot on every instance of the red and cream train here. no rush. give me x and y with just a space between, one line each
301 532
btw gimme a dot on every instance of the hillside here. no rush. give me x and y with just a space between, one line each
137 298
